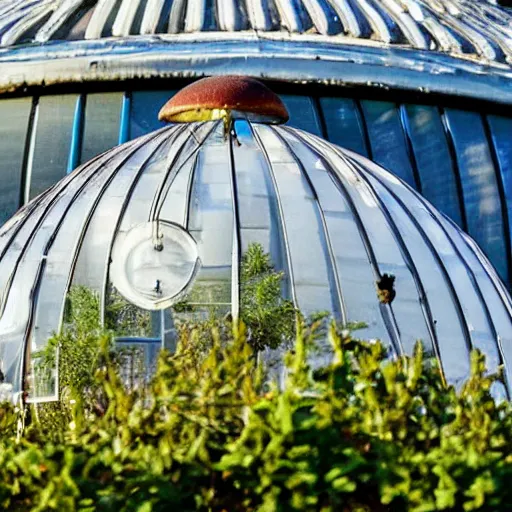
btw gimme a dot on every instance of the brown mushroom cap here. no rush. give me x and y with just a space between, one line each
232 93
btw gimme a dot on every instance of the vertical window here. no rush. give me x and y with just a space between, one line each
144 111
436 168
388 146
101 129
303 114
482 200
15 115
52 141
343 124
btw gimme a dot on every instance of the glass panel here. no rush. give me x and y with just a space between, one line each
406 306
13 130
433 160
211 222
344 124
353 266
303 113
443 236
23 236
144 111
52 141
257 203
175 205
305 238
101 129
54 277
479 185
387 139
43 376
500 130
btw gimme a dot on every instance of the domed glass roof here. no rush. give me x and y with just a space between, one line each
169 215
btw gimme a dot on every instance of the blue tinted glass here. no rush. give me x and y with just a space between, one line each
144 111
13 129
343 124
501 130
303 113
479 185
387 140
433 160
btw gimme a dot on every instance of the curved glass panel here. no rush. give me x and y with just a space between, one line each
445 316
210 223
258 209
69 240
95 251
305 240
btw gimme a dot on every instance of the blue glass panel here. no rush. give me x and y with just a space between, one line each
500 131
144 111
101 129
343 124
479 185
13 129
303 113
433 160
53 135
388 145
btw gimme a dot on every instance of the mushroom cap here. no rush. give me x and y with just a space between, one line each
204 99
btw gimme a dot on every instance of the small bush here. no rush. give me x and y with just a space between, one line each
212 433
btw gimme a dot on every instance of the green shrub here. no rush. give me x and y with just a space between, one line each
211 433
270 319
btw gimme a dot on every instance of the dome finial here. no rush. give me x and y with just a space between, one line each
225 97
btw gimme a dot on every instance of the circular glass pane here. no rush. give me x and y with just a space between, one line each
154 264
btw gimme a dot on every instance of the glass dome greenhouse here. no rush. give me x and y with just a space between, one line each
166 218
421 87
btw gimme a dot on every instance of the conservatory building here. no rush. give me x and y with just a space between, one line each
385 198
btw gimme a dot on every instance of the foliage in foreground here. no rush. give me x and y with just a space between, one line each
365 434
